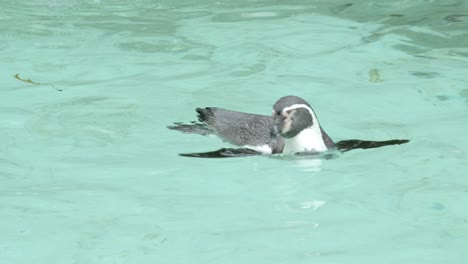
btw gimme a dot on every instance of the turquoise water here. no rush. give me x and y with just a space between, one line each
90 174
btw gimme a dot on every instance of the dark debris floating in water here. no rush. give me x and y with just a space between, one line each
456 18
32 82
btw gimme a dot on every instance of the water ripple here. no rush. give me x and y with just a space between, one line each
87 121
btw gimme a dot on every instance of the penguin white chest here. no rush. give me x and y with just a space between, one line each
309 139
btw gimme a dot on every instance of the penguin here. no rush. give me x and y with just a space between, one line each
293 128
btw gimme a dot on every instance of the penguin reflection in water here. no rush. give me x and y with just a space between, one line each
293 128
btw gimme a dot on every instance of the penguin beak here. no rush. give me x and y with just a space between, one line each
275 131
283 122
278 124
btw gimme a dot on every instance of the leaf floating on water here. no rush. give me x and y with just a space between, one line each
32 82
374 75
25 80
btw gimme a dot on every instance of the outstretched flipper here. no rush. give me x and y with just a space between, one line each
343 146
350 144
223 153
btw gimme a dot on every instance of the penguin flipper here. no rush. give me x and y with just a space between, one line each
350 144
223 153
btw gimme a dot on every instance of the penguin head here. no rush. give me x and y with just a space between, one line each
292 115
